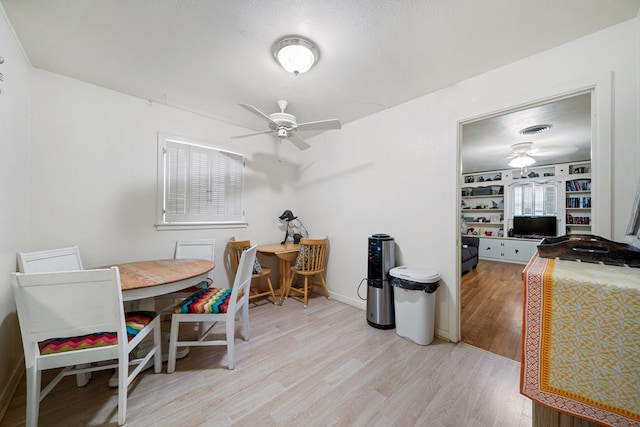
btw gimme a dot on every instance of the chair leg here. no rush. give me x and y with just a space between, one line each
306 290
231 327
273 294
123 377
323 282
33 396
245 322
173 338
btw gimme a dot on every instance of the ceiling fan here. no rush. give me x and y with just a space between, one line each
524 155
285 125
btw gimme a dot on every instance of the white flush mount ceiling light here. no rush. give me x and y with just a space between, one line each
521 159
296 54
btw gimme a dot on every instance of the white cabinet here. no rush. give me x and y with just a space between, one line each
519 250
511 250
490 248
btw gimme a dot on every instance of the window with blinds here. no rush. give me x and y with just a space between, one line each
534 198
199 184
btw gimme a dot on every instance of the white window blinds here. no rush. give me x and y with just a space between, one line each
534 198
201 184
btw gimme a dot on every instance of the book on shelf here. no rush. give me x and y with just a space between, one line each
579 185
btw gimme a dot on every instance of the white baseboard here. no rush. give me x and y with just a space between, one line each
362 305
439 332
7 392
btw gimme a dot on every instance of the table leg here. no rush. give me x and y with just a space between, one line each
285 276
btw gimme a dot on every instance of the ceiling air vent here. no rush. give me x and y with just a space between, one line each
532 130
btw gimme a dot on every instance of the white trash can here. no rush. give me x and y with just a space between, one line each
414 296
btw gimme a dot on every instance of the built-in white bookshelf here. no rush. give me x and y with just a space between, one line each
487 209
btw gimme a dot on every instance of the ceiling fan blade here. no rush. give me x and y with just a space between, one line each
553 150
298 142
259 113
320 125
251 134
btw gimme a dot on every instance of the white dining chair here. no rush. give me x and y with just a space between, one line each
62 259
77 318
59 259
195 249
215 305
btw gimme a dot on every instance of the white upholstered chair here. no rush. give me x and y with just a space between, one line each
77 318
215 305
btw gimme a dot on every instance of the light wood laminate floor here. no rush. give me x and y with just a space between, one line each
491 297
322 366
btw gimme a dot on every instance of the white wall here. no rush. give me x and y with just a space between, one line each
14 176
397 171
94 170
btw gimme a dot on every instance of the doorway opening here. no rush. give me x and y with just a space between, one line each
556 132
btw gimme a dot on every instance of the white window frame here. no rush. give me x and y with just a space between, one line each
190 176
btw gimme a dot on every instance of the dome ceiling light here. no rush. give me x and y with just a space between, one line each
296 54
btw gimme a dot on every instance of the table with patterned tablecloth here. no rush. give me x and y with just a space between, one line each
581 340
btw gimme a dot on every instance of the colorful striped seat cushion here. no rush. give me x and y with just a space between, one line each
206 283
135 321
207 301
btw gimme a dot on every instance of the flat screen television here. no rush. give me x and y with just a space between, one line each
534 226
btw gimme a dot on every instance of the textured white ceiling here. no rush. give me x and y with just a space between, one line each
487 143
208 56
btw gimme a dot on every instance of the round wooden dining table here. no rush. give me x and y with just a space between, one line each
148 279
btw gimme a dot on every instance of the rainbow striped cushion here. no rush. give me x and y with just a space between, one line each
206 283
207 301
135 321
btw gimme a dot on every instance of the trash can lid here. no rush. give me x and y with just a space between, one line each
415 274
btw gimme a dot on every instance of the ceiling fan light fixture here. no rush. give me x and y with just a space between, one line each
296 54
521 161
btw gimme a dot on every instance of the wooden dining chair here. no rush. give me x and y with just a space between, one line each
311 261
215 305
236 247
75 318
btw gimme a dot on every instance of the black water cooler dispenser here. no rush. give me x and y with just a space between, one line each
381 259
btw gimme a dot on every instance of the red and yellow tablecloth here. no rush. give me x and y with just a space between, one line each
581 339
